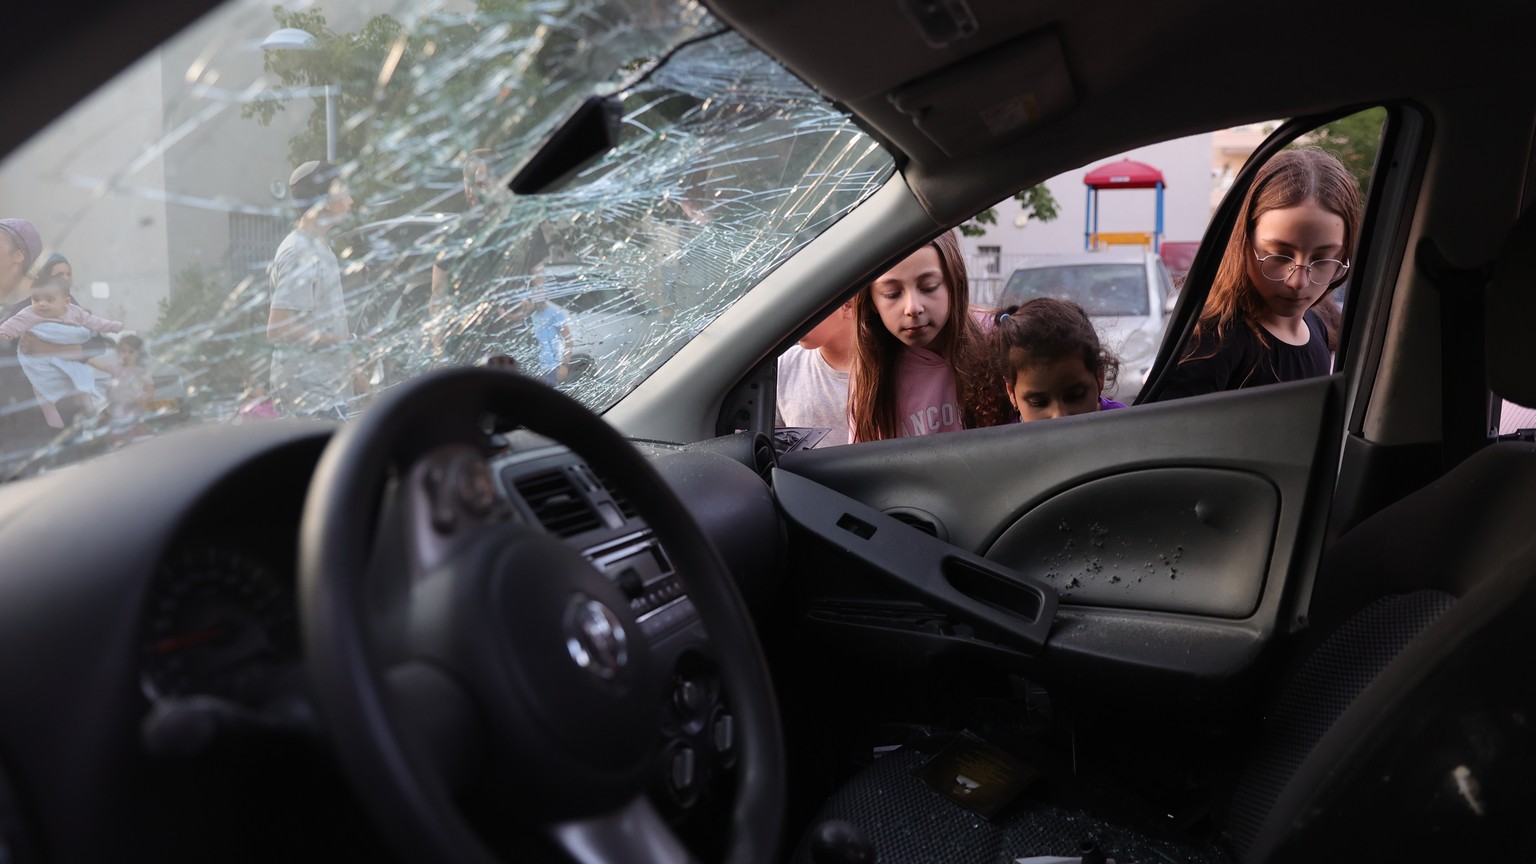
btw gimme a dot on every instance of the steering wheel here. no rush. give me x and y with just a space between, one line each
472 666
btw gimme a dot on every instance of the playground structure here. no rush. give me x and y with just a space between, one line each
1125 174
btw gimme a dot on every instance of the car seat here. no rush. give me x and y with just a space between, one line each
1405 730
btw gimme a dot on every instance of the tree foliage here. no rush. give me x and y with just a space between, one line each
1036 202
452 83
373 76
213 331
1355 140
348 62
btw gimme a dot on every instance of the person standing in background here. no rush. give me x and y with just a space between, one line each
313 369
21 422
453 264
813 378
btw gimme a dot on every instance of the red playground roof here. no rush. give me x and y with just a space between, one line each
1124 174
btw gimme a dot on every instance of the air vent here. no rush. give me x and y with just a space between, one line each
764 457
619 498
554 499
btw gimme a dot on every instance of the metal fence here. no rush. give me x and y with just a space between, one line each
253 240
989 273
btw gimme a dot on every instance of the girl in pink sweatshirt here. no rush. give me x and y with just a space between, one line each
922 363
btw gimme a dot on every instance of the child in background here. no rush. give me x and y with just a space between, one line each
255 402
813 378
921 358
551 329
52 318
1051 360
129 394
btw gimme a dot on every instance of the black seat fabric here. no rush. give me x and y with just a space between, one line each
1447 536
1327 682
1433 761
1509 350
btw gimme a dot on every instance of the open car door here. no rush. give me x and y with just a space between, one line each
1137 563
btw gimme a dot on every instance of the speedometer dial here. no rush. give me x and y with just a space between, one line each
219 623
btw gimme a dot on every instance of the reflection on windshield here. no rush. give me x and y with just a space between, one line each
189 225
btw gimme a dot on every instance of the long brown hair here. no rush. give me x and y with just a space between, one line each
1290 179
872 381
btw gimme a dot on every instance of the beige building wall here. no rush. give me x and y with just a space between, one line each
147 176
68 181
1230 148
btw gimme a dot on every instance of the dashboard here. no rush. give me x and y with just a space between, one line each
183 598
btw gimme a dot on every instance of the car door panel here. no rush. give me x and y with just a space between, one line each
1223 496
1003 607
1192 540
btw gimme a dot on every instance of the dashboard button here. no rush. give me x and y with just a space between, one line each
684 770
688 696
725 734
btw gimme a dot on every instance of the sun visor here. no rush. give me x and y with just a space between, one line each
993 97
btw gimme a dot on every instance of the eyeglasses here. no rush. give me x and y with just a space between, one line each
1278 268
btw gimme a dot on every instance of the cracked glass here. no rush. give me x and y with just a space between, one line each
289 210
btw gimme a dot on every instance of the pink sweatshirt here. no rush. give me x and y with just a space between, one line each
26 319
926 401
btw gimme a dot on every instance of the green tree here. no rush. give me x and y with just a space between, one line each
1037 203
448 86
212 332
1355 140
370 74
349 62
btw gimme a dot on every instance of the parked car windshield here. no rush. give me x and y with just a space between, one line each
1102 289
207 199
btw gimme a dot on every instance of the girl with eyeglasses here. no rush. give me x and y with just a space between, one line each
1290 250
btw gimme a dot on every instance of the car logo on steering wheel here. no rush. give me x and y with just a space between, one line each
595 638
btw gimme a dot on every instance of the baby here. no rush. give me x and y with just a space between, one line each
52 318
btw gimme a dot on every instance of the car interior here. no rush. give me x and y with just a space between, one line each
1286 623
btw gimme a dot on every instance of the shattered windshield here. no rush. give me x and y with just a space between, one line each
286 211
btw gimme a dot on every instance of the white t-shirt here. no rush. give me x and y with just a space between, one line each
812 394
306 280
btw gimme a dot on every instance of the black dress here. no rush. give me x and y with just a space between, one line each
1242 361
